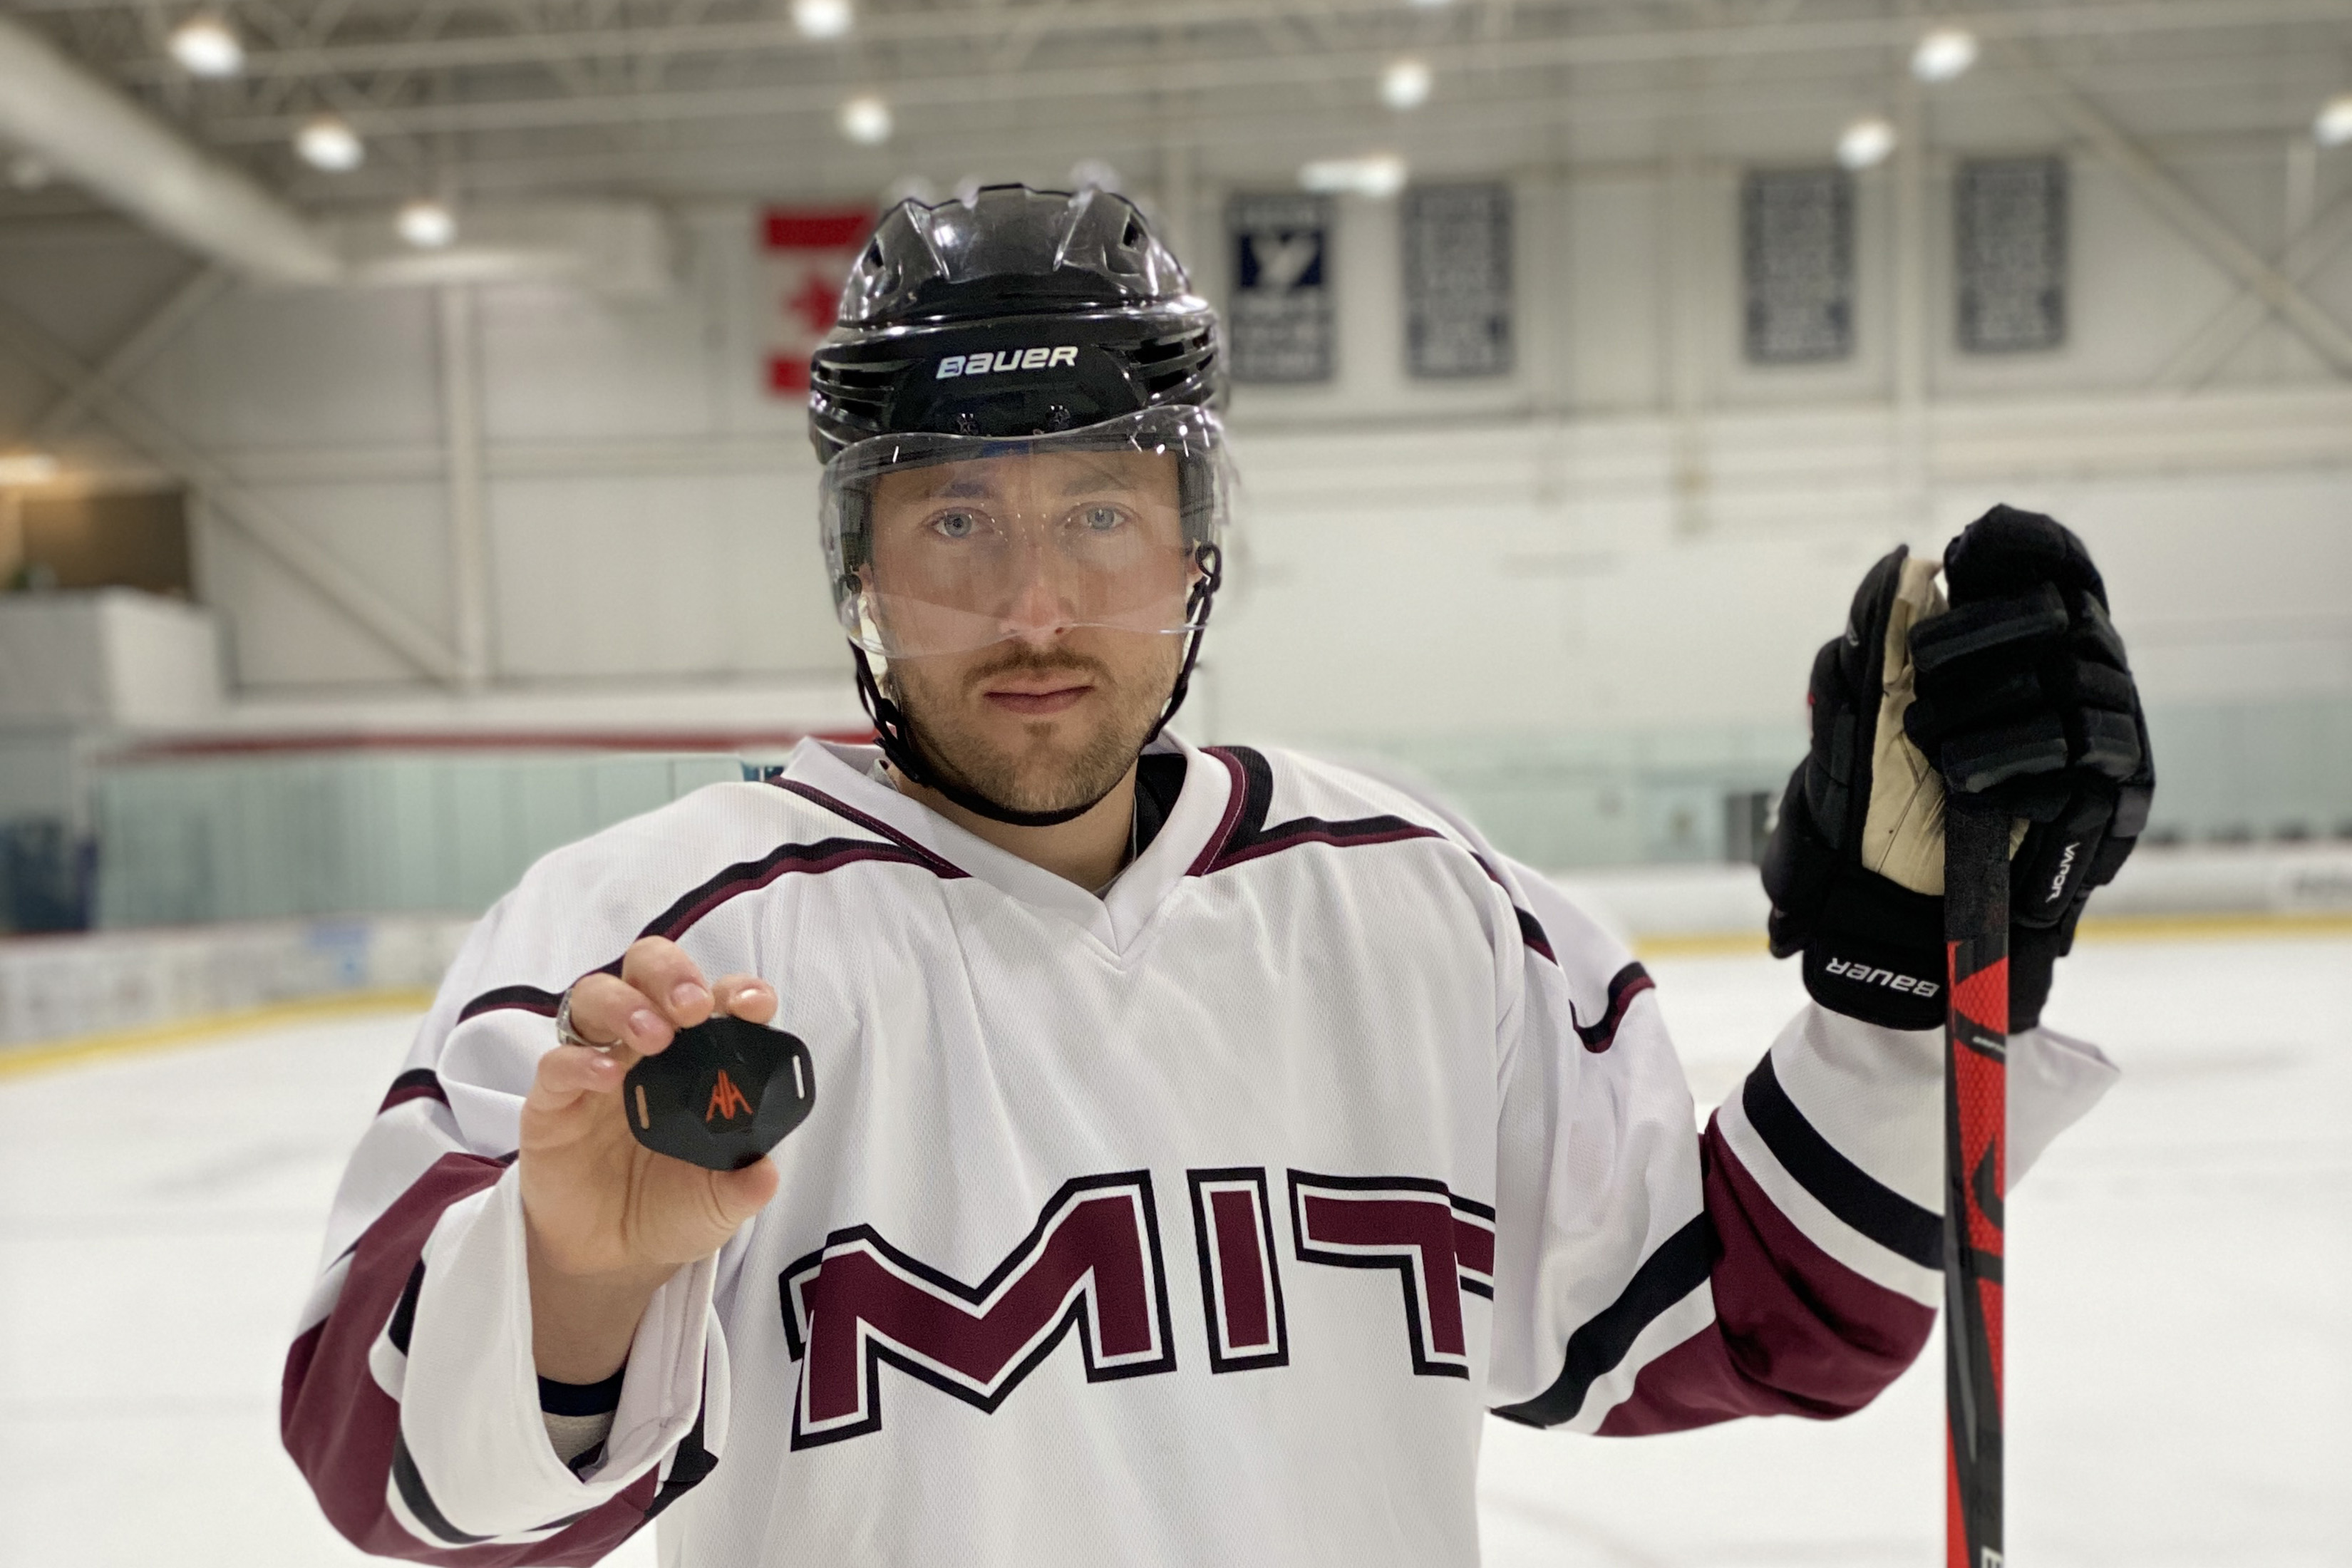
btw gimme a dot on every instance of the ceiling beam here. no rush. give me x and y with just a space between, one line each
87 130
2180 207
1250 65
2058 20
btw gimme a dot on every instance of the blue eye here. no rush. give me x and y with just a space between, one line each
1101 518
956 524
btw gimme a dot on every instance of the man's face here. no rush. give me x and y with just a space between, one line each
1048 584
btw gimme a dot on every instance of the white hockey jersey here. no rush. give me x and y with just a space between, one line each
1201 1222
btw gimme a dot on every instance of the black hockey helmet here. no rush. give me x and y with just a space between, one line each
952 317
1019 319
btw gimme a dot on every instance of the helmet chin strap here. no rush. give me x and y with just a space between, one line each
897 737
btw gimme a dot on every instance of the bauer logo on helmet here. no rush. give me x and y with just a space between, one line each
1042 357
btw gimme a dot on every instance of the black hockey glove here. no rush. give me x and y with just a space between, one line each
2024 696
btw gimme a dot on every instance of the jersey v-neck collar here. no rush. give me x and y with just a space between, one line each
844 774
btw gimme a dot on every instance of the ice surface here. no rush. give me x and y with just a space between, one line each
2179 1343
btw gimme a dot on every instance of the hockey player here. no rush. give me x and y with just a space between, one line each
1204 1141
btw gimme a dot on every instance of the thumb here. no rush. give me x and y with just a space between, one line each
742 1194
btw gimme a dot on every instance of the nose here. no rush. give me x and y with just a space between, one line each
1038 606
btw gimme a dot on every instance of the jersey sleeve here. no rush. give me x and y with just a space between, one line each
1784 1261
410 1399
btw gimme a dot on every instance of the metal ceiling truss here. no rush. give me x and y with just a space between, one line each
433 84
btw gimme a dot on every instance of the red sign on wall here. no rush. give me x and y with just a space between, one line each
804 255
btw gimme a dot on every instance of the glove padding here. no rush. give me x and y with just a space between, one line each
2024 696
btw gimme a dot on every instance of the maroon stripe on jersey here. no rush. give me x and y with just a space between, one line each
1531 930
808 859
416 1083
1243 835
523 998
873 825
1249 791
745 877
1623 986
1796 1332
344 1430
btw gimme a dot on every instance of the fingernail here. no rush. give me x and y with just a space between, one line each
643 1025
687 993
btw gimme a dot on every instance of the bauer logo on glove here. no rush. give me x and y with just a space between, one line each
722 1095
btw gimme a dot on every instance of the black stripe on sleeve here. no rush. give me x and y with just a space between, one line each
1677 1268
411 1482
1623 986
403 1315
1879 1212
687 1466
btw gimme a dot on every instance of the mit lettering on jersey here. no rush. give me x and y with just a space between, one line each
1092 1265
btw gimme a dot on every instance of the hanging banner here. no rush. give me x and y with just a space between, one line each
1796 265
1457 280
2009 221
1280 318
804 257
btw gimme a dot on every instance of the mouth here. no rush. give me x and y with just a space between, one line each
1037 698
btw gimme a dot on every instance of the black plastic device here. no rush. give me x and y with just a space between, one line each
722 1095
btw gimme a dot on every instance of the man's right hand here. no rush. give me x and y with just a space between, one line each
608 1219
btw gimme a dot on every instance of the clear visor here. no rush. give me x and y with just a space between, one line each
945 544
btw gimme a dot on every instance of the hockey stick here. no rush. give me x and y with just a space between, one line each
1976 1109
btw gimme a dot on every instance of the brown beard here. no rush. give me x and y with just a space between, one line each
1040 778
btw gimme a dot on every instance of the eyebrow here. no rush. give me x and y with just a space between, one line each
962 483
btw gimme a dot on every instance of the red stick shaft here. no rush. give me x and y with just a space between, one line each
1976 1114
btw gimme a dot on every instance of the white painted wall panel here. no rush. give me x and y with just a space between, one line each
665 575
304 368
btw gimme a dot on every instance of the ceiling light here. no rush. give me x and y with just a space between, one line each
821 18
19 468
1866 144
1381 176
29 172
1404 84
1430 5
327 142
205 45
866 119
426 223
1944 54
2334 126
